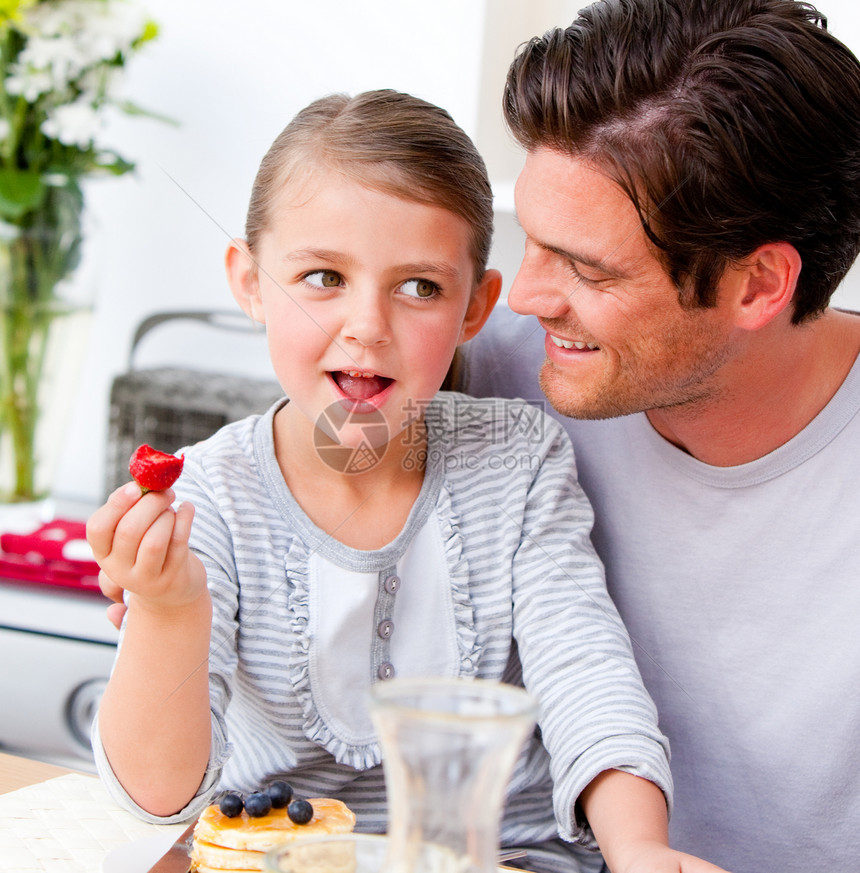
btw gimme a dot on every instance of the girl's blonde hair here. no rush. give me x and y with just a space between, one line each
388 141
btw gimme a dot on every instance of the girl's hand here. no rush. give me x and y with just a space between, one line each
655 857
154 717
629 819
141 545
117 610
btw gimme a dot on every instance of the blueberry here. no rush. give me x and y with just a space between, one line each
281 793
300 811
230 805
258 804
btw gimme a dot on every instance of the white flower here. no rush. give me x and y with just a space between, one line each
69 69
47 64
102 80
111 28
29 84
75 124
68 38
97 29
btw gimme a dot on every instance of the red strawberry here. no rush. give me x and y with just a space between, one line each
154 470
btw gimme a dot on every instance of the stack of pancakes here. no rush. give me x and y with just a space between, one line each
240 843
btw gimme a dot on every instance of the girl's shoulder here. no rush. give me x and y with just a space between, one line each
495 421
238 455
235 438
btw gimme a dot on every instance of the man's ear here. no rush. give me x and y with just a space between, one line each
484 298
244 280
764 284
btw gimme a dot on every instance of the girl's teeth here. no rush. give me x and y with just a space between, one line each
356 375
571 344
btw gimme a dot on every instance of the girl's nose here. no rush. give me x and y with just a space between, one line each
366 321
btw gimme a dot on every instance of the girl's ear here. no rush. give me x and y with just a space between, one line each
483 300
244 279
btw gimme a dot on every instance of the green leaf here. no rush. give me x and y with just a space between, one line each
20 192
130 108
111 162
150 32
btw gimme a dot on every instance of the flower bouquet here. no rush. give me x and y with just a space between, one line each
60 64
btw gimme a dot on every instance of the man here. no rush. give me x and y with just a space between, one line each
690 200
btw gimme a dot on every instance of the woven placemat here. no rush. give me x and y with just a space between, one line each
65 825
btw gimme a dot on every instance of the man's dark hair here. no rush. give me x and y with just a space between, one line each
729 124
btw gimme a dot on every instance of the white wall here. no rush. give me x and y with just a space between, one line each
233 76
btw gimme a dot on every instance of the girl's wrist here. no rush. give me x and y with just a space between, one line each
170 610
636 856
629 818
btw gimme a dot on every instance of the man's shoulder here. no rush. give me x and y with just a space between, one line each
504 359
506 332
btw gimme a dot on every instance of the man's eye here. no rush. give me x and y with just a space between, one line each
324 279
578 274
419 288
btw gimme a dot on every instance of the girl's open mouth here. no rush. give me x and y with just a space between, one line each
358 386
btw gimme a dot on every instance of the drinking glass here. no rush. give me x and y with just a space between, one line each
354 853
449 746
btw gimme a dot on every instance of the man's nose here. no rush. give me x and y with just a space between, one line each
536 289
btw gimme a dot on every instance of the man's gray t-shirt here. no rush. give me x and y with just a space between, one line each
740 587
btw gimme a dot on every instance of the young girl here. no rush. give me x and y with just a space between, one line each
370 525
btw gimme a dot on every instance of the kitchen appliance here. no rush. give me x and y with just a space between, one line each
56 645
173 406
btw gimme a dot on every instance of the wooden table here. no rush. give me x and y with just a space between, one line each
17 772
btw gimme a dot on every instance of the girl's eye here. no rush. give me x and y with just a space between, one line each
422 288
324 279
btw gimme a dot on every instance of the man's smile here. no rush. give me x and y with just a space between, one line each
573 344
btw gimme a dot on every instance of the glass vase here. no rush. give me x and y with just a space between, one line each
449 747
45 309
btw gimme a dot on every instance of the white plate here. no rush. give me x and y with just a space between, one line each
139 855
